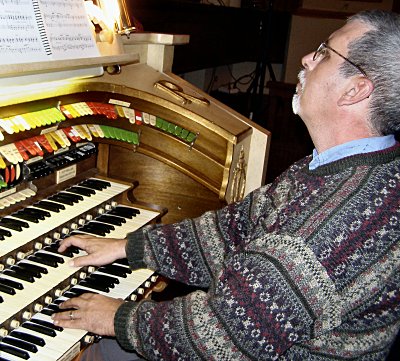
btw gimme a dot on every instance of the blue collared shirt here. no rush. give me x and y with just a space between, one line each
358 146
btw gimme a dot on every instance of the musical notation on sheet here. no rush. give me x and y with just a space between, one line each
67 26
37 30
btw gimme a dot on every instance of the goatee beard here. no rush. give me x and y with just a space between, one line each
300 88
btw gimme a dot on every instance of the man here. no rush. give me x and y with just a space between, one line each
306 268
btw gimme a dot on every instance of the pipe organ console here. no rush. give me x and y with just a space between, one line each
104 154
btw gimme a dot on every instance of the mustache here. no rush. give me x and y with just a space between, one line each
301 76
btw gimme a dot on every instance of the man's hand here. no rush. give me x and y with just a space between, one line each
100 251
91 312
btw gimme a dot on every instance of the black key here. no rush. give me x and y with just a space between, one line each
87 192
33 267
14 351
50 206
28 337
9 225
97 232
112 280
99 182
123 261
45 261
26 272
1 299
47 324
75 292
39 328
17 222
105 226
95 184
124 212
5 233
24 277
49 256
20 344
92 284
115 270
7 289
26 217
115 220
47 311
14 284
39 213
75 197
53 307
127 210
61 200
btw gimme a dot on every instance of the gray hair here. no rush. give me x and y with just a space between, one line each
377 52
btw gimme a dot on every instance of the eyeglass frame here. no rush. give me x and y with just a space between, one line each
325 45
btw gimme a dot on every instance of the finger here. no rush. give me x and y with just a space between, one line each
86 260
76 302
69 315
78 241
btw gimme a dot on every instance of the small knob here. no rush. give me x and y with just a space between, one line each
26 315
48 241
21 255
14 324
58 292
38 307
88 339
38 245
10 261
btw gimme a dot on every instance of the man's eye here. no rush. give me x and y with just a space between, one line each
322 54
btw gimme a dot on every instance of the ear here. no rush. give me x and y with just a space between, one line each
359 88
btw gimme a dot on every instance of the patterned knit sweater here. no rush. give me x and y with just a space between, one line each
306 268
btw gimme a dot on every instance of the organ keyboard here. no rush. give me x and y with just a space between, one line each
80 149
39 278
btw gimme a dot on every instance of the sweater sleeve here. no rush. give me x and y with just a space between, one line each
193 250
263 301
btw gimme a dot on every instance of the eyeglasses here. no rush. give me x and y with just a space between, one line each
321 52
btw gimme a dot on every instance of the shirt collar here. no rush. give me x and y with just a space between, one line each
358 146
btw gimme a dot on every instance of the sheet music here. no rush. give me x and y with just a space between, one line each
37 30
68 30
19 33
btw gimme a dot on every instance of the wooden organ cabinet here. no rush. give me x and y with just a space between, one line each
104 154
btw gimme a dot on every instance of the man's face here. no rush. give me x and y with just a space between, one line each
320 82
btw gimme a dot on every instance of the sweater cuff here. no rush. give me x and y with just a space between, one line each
124 325
135 249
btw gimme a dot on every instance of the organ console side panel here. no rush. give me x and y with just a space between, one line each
104 155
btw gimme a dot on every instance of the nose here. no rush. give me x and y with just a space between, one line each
307 61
